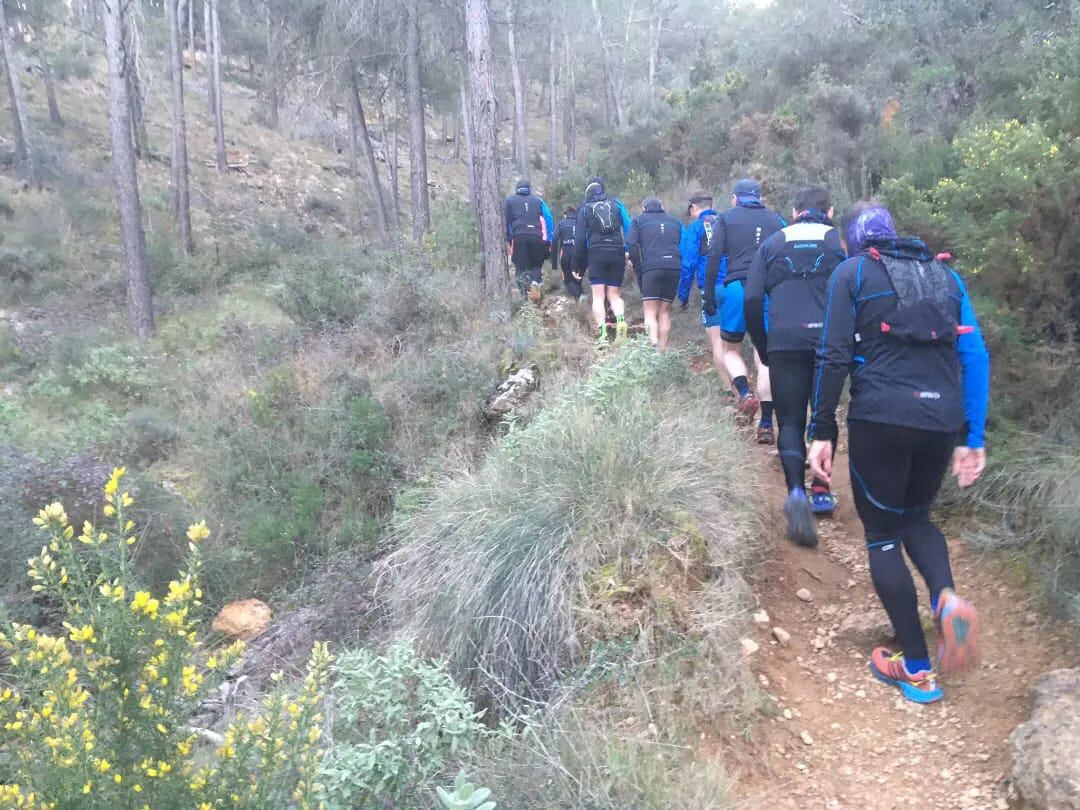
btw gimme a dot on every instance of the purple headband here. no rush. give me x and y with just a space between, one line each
874 222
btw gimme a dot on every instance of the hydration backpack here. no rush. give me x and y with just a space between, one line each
926 302
605 225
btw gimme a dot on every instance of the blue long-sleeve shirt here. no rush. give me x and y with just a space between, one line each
694 249
938 390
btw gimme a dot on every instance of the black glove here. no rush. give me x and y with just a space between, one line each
684 304
708 306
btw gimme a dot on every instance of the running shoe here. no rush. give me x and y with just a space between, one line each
958 633
822 502
888 667
800 520
601 334
536 295
747 405
765 433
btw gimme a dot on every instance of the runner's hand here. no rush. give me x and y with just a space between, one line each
684 305
709 308
968 464
820 457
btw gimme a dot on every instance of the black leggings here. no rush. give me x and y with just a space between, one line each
573 285
896 473
792 377
528 253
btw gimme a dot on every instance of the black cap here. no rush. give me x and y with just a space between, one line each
747 189
700 197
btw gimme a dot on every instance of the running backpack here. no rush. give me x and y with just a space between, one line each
605 225
927 303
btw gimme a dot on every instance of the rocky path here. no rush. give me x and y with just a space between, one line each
837 738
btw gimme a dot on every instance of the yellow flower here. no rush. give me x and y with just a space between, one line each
53 514
87 787
198 532
114 480
103 766
109 510
85 634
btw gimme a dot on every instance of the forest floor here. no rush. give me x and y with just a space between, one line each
838 738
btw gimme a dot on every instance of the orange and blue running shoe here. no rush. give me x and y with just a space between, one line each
888 667
958 633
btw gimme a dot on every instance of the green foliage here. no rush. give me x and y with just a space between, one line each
465 796
1031 493
401 721
491 571
100 716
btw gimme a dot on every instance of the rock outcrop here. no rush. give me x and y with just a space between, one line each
1046 748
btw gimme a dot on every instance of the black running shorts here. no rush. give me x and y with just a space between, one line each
659 285
607 270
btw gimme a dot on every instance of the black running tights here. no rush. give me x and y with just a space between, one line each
792 377
896 473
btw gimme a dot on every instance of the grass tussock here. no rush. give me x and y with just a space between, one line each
1033 495
621 487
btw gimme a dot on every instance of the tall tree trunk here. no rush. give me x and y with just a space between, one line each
485 126
19 125
570 107
179 192
191 31
656 24
390 147
140 303
610 72
360 129
130 34
219 112
50 87
208 51
456 117
521 134
273 98
466 121
418 173
83 23
553 94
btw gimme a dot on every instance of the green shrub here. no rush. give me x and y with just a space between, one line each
400 722
494 569
465 796
1031 491
102 715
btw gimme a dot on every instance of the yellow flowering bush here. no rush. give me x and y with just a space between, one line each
97 714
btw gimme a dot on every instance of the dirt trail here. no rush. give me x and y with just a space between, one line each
867 747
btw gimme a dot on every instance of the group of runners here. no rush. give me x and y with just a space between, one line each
821 304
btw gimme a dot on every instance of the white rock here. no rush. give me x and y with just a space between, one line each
749 646
782 636
806 738
804 595
761 618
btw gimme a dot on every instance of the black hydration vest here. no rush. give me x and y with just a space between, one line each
605 224
910 363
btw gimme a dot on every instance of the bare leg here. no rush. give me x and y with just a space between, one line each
664 323
598 295
651 324
733 360
764 383
717 344
614 295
